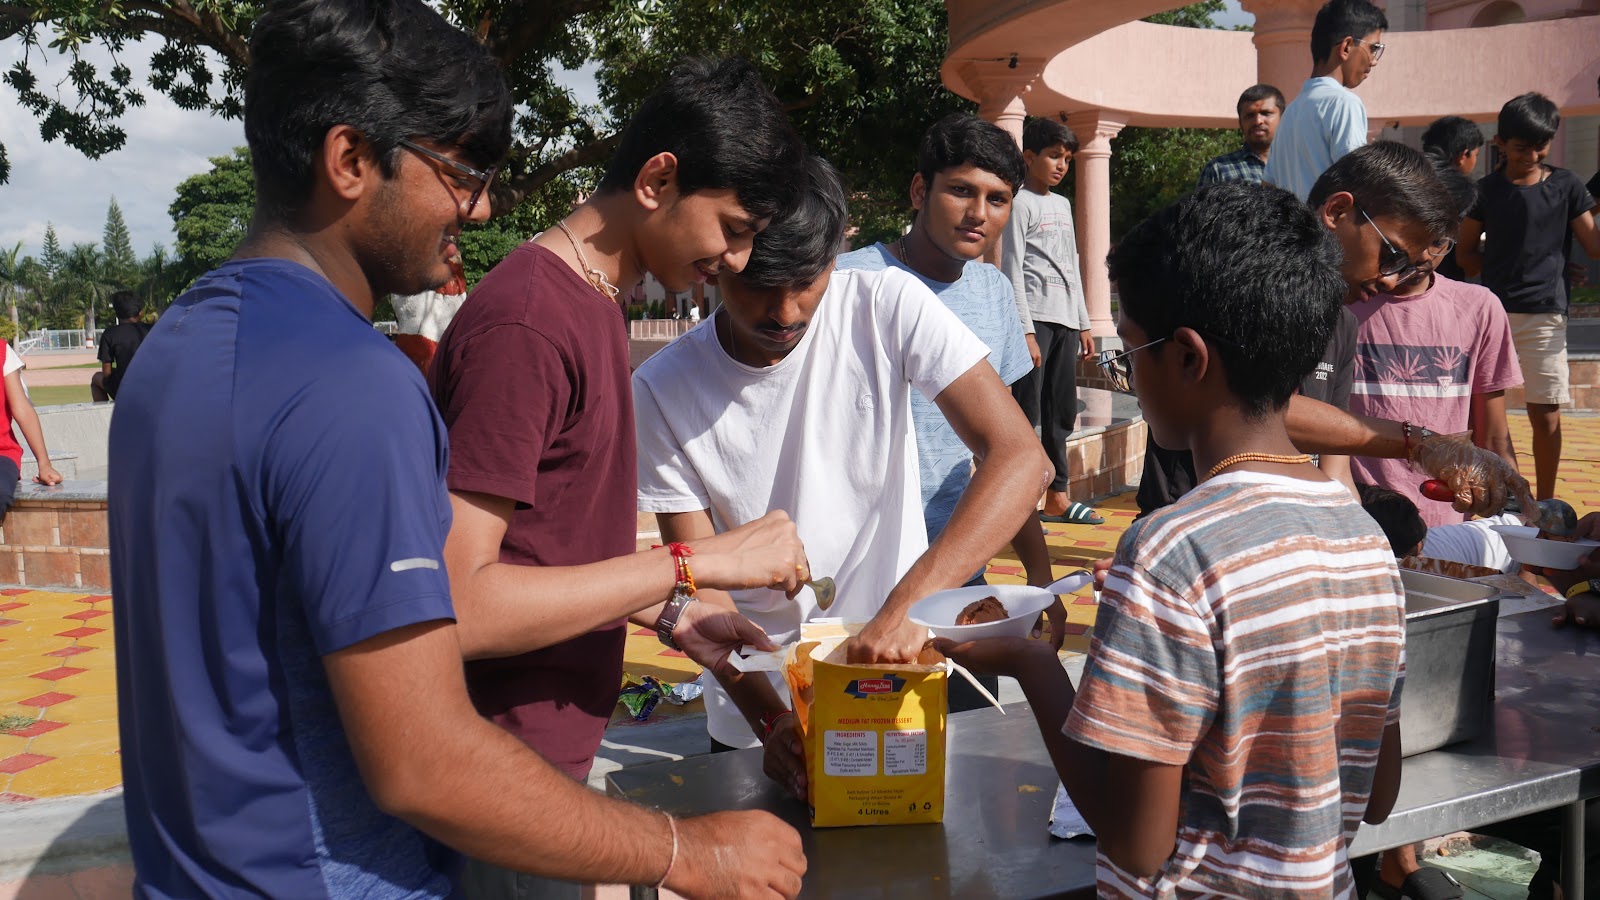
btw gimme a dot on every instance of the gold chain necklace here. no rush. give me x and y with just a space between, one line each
1237 458
597 280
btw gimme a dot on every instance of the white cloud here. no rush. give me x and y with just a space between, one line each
52 182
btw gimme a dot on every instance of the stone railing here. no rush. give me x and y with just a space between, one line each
55 537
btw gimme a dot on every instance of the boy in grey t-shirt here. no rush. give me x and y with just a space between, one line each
1040 256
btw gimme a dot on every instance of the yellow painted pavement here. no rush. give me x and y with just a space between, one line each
58 680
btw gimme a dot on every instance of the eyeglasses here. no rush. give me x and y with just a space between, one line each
1394 263
1377 48
1118 366
484 177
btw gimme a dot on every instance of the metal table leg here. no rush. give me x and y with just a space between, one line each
1572 850
648 892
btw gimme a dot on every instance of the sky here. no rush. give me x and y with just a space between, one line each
54 183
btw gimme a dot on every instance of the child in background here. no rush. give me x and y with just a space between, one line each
1040 256
1205 764
19 411
1524 213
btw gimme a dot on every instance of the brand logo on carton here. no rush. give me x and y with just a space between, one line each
868 687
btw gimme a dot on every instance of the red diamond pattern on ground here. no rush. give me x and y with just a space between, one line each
94 598
7 607
5 622
643 632
43 726
44 701
83 632
69 651
8 797
11 765
1005 570
1084 601
674 654
57 673
88 614
12 592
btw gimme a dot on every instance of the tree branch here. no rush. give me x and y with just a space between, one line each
508 195
537 24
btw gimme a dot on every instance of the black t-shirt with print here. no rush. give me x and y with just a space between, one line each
1169 474
1527 238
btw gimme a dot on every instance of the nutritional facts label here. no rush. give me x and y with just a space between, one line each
905 752
850 752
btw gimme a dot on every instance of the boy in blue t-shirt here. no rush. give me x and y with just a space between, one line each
968 171
1526 211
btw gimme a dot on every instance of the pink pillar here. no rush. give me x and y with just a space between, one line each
1095 129
1002 88
1282 36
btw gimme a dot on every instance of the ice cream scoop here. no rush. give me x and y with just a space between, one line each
1552 516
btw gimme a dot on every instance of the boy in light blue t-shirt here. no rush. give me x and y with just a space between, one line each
968 171
1327 119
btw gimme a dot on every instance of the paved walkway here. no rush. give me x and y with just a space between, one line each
57 668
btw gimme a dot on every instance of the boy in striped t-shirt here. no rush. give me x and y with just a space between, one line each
1238 717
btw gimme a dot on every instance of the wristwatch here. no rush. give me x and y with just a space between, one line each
667 622
1592 586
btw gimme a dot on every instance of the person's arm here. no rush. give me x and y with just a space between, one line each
1337 467
429 759
1583 228
105 369
757 700
28 421
1013 249
1489 428
1011 473
505 609
1469 247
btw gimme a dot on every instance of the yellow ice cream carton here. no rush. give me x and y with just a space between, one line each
873 735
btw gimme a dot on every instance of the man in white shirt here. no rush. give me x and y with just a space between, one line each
798 397
1327 119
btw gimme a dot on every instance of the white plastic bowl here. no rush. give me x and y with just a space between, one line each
1526 547
937 612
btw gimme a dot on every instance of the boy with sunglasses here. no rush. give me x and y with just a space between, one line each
1430 350
1236 722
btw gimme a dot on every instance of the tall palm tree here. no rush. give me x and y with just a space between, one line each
11 282
83 285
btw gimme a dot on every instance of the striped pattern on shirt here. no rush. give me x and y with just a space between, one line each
1254 632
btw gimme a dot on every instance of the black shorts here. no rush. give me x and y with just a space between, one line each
9 476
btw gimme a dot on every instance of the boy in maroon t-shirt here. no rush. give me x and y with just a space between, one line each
532 379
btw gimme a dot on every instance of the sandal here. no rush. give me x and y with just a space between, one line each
1426 883
1076 514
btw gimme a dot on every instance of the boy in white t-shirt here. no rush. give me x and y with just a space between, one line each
797 396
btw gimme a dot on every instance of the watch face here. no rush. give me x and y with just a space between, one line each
1594 585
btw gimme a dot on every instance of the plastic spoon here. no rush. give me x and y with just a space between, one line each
1553 516
1071 584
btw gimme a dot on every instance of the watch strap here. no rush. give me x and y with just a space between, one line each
667 622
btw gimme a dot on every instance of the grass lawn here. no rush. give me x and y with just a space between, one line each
1586 294
58 395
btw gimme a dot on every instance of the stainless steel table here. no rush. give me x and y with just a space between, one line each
1542 752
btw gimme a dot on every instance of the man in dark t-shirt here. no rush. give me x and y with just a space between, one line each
117 346
532 379
1169 474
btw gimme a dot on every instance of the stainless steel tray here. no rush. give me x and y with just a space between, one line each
1450 640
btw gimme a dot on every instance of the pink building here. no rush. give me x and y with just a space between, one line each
1093 63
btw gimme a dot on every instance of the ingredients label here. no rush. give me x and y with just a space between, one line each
850 752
